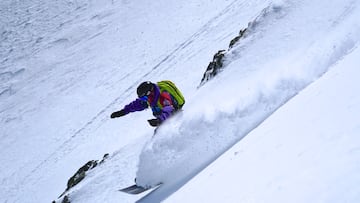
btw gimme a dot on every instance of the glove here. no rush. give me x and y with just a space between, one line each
118 113
154 122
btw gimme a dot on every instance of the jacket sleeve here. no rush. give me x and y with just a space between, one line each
167 110
137 105
165 113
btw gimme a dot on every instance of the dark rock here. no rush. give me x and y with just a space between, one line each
80 175
237 38
216 65
65 200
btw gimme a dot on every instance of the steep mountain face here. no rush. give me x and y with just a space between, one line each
66 66
263 80
307 151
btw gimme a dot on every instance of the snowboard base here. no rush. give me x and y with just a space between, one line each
136 189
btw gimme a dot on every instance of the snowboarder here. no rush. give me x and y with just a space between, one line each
164 99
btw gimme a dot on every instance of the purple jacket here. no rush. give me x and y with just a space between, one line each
160 112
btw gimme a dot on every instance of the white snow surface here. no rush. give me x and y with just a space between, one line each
278 124
313 158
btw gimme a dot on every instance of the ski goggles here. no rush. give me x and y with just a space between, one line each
145 94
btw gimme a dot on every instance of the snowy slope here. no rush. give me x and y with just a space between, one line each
307 151
60 82
264 80
67 65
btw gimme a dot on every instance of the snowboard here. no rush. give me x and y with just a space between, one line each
136 189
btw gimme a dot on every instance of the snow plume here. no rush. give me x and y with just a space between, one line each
189 142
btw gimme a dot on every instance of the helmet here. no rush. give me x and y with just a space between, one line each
145 88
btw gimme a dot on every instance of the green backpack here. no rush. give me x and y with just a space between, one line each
168 86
